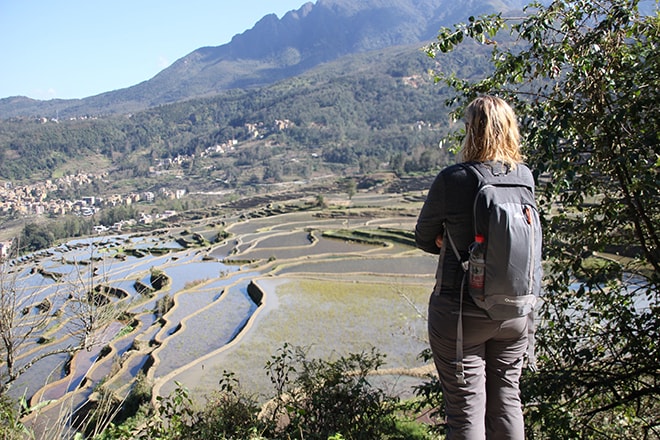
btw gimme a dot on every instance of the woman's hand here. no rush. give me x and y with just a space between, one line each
438 241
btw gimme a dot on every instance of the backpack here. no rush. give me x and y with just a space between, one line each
505 215
505 259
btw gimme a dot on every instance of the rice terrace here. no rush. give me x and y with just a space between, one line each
223 294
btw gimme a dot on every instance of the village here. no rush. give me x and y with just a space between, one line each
41 198
36 198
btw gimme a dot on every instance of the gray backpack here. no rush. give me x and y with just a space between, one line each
505 215
509 268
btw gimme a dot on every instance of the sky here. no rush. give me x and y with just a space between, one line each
75 49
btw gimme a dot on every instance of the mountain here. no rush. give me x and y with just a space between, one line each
274 49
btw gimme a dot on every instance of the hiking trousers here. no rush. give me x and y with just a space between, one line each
488 405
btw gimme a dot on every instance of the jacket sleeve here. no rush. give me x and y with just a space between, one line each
430 222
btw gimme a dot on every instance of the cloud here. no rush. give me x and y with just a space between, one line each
163 62
43 94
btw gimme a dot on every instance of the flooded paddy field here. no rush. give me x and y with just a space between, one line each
329 318
335 296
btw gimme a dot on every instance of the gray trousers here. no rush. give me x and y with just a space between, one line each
488 406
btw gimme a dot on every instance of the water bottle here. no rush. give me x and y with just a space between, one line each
477 273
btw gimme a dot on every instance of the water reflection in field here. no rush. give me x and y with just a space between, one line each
206 330
406 265
292 239
42 373
187 275
322 246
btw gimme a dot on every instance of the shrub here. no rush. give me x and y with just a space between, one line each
10 426
314 399
329 397
229 414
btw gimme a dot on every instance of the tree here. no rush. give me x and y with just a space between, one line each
26 309
349 186
35 237
16 327
585 78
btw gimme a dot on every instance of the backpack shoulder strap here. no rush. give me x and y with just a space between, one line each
464 264
477 171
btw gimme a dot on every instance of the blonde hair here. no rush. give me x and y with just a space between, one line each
491 132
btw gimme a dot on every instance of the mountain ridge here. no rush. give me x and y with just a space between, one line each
272 50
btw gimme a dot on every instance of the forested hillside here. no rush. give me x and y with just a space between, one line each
369 111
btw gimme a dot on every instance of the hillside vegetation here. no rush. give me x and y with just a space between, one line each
364 112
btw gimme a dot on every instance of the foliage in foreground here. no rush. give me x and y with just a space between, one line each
314 399
10 426
585 78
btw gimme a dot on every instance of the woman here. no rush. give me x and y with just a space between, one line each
486 403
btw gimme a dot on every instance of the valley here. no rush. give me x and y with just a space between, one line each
336 279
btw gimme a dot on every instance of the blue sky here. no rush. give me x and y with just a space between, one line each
75 48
